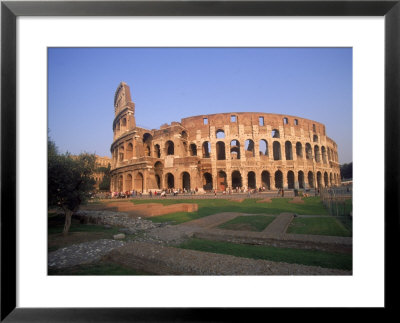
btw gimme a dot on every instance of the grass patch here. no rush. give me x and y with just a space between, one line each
327 226
312 205
288 255
97 269
248 223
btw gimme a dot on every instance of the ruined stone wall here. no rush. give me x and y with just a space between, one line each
221 151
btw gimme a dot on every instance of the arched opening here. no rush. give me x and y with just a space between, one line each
129 151
184 135
326 179
278 179
206 149
285 121
169 147
329 154
323 151
120 183
330 179
235 149
290 179
310 179
186 181
319 180
265 179
193 150
288 150
315 138
158 181
277 150
138 182
275 133
222 183
236 179
147 139
308 151
300 178
170 180
220 134
316 154
207 182
263 147
157 151
128 182
251 180
121 153
184 149
220 146
299 150
147 150
249 148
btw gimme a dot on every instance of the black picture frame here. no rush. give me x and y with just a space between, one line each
10 10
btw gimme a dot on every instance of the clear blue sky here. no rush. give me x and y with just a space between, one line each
168 84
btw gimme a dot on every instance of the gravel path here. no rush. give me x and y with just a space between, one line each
82 253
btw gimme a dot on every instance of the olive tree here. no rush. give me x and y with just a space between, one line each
69 181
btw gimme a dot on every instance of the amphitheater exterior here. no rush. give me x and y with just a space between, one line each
220 151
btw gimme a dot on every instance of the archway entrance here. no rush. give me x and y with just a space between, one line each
278 179
170 180
265 178
207 182
236 179
301 179
222 184
186 181
138 181
311 179
251 180
290 179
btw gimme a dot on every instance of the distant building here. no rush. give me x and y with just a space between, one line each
220 151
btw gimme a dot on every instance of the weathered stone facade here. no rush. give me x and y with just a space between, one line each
220 151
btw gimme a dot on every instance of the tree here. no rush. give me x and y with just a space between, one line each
346 171
105 183
69 181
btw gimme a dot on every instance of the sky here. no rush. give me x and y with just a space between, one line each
168 84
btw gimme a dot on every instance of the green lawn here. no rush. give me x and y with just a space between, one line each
312 205
248 223
288 255
96 269
328 226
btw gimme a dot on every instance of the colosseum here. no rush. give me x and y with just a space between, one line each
247 150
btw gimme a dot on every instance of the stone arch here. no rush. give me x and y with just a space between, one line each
121 153
206 149
266 179
288 150
184 135
319 179
220 134
222 182
147 143
285 120
308 151
299 150
323 152
263 147
277 150
310 179
316 154
275 133
249 148
129 151
315 138
236 179
235 149
128 182
186 181
158 180
170 180
251 180
290 179
220 150
169 147
193 150
138 182
330 179
326 182
278 179
120 183
300 178
157 151
207 182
